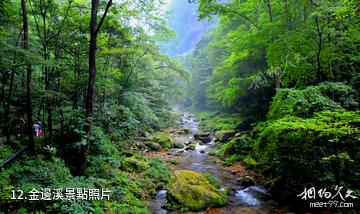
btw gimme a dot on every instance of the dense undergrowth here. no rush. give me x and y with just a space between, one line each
114 161
310 139
132 180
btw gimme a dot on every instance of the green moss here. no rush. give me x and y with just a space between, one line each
191 147
132 164
249 162
304 103
224 135
212 153
212 122
194 191
154 146
232 159
177 145
164 140
293 146
213 181
238 148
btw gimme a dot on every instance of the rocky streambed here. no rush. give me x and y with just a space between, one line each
241 186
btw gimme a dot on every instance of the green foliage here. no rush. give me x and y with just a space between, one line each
194 191
250 162
165 141
140 106
133 164
158 170
67 207
213 181
237 149
303 103
301 150
307 49
212 122
28 173
104 158
5 152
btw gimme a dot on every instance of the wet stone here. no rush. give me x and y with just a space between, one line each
244 181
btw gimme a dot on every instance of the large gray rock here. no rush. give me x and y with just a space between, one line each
224 135
154 146
245 181
201 134
203 137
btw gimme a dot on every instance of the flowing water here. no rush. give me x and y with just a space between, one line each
251 199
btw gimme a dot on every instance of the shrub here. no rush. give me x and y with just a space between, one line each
304 103
299 150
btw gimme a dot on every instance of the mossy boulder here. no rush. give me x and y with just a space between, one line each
245 181
191 147
224 135
177 145
240 145
132 164
186 131
153 146
188 143
165 141
212 153
203 137
194 191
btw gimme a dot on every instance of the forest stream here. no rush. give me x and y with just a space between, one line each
242 199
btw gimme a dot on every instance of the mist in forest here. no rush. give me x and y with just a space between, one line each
183 20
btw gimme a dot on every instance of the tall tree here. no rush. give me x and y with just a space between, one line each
28 79
90 94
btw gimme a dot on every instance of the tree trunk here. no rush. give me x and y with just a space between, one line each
320 72
90 94
77 70
8 104
31 143
273 37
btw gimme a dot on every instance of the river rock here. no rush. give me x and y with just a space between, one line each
202 143
188 143
190 147
194 191
240 145
153 146
245 181
230 191
203 137
201 134
177 145
165 141
212 153
140 145
179 154
184 131
131 164
224 135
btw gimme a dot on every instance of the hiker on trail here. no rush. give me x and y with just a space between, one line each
37 128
